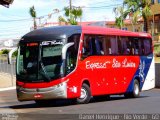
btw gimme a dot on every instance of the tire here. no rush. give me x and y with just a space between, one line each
85 95
136 91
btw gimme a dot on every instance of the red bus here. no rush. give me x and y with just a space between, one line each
77 62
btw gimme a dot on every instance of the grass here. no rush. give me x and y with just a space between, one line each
157 52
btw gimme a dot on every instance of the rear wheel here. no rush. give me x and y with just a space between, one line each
85 95
136 91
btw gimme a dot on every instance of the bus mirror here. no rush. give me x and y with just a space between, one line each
65 48
10 55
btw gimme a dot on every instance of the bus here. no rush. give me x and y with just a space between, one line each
81 62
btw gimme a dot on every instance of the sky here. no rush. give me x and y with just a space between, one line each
16 21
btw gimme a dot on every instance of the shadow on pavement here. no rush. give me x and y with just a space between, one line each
62 103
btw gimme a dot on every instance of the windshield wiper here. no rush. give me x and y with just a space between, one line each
44 74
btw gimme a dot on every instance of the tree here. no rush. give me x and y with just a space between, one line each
139 8
119 11
32 12
71 14
6 3
121 15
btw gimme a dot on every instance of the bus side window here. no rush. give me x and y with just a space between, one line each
125 46
92 45
141 48
137 47
108 45
86 46
119 45
99 46
75 38
72 52
147 46
114 45
134 46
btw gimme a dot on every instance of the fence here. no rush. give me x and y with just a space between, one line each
7 72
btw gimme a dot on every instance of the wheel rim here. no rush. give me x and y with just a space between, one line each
136 89
83 93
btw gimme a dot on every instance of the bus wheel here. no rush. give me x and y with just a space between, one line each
136 91
85 95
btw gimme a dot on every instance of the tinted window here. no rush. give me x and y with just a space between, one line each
93 45
125 46
114 45
72 52
147 46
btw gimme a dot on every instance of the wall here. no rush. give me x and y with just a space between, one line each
157 67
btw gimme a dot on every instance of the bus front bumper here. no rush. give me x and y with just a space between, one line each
55 92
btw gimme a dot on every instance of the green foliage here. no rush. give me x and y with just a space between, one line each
139 8
33 14
15 53
5 51
156 48
0 52
119 22
71 15
121 14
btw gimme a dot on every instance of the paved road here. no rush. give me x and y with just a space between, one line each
148 103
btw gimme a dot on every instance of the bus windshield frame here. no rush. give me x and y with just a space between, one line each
40 61
49 63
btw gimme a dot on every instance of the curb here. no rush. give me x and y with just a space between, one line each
9 88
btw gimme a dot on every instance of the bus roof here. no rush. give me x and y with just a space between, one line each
112 31
53 32
50 33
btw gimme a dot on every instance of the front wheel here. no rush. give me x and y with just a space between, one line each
85 95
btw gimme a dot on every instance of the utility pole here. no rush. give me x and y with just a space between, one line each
70 8
70 4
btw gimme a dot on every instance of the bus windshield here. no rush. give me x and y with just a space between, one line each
38 62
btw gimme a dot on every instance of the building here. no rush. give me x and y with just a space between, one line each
128 25
154 20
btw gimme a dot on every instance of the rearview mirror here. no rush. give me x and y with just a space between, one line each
10 55
65 48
